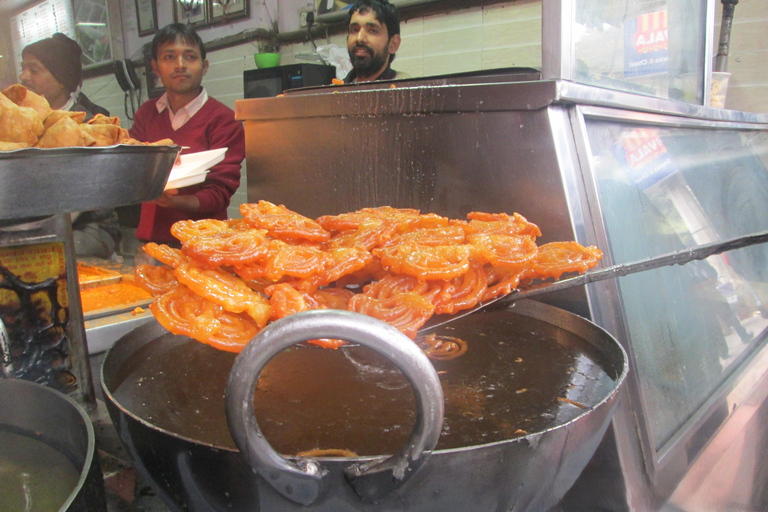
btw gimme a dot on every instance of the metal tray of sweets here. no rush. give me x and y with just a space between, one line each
38 182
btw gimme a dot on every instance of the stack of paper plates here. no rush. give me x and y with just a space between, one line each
193 168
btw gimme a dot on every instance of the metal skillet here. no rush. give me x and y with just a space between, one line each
674 258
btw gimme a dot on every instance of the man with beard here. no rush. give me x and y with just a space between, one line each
372 40
190 118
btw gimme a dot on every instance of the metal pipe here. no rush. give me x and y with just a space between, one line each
721 59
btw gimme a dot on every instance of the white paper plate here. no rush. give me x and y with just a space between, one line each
185 181
193 168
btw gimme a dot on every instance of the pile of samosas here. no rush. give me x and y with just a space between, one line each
27 120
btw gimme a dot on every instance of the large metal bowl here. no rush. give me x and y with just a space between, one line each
190 472
46 418
38 182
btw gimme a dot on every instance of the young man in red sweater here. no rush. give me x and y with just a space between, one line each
190 118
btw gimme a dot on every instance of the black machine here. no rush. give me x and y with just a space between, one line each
269 82
125 73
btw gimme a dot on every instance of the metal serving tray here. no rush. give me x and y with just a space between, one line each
37 182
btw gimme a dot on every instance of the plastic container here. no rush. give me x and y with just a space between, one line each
266 60
719 90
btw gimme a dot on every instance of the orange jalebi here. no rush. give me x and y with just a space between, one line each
184 230
405 311
226 290
501 224
342 261
503 251
365 234
229 247
168 255
500 282
461 292
282 223
395 264
286 300
391 285
442 348
285 259
556 258
183 312
332 298
442 235
426 262
156 280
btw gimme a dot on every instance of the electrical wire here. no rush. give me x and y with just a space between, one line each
132 96
310 22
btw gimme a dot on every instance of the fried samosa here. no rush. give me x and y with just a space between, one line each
102 119
55 115
23 97
10 146
19 124
64 133
105 134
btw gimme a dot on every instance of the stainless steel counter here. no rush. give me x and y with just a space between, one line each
103 332
636 176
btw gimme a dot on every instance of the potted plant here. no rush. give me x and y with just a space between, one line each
269 48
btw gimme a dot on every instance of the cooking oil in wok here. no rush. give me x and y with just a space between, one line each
34 476
518 377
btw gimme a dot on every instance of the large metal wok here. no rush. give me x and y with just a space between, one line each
526 470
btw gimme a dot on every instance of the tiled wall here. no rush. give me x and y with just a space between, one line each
502 35
748 56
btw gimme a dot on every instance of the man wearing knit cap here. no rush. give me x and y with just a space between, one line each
52 68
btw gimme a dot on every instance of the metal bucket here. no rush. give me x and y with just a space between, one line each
48 456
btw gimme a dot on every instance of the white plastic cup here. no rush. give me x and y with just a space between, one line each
719 88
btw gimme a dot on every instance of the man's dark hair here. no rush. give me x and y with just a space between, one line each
170 33
386 14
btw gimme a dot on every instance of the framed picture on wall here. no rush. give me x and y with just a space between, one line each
146 17
225 10
92 30
191 12
155 87
326 6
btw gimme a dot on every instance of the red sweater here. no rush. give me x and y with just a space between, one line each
212 127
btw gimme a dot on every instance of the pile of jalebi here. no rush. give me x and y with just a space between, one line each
230 278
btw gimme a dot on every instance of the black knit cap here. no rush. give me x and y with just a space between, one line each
61 56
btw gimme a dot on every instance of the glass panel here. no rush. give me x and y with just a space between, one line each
667 189
92 30
653 47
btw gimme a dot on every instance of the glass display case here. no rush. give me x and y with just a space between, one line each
695 333
637 176
652 47
609 149
661 190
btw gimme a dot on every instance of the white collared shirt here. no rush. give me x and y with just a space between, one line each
185 113
68 105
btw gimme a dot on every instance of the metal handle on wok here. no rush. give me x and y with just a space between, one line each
305 480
